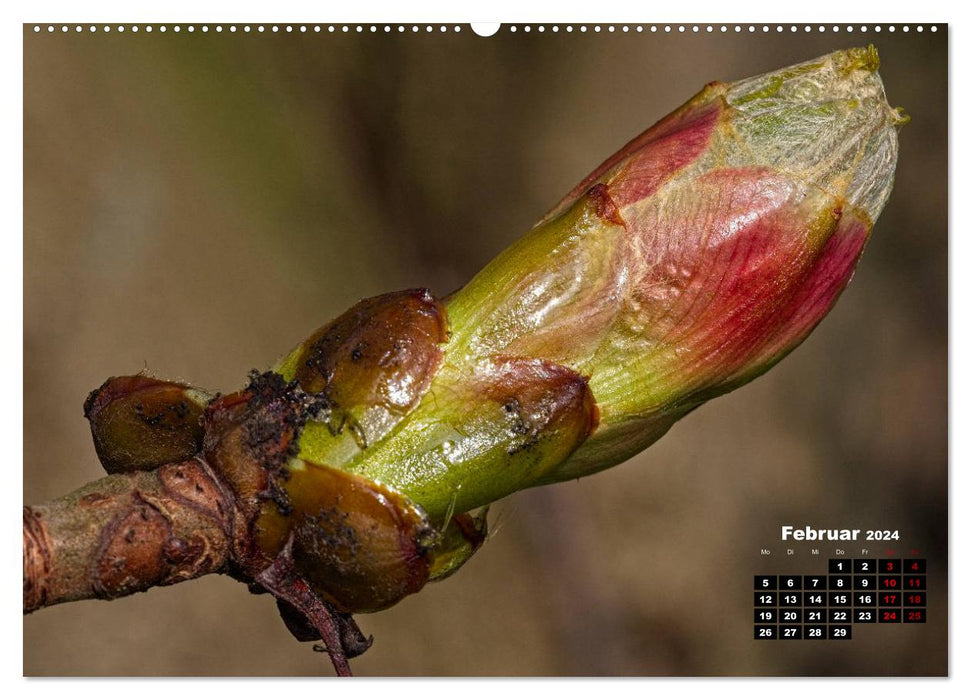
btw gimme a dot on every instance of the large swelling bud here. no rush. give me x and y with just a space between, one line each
699 255
686 265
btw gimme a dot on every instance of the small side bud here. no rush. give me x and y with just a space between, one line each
360 546
371 364
140 423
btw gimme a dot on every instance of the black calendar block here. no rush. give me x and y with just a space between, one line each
814 583
766 632
889 615
887 599
840 616
840 583
825 606
889 583
814 632
915 583
889 566
915 599
815 616
840 632
864 566
765 599
766 616
915 615
815 600
840 599
915 566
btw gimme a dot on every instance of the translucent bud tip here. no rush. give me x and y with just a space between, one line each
826 122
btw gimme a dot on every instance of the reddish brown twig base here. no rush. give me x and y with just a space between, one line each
129 532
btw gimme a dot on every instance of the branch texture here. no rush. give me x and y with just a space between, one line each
126 533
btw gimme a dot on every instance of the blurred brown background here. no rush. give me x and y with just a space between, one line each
195 204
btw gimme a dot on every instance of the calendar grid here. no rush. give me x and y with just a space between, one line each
852 591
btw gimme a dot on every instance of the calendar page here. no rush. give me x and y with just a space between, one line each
692 423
